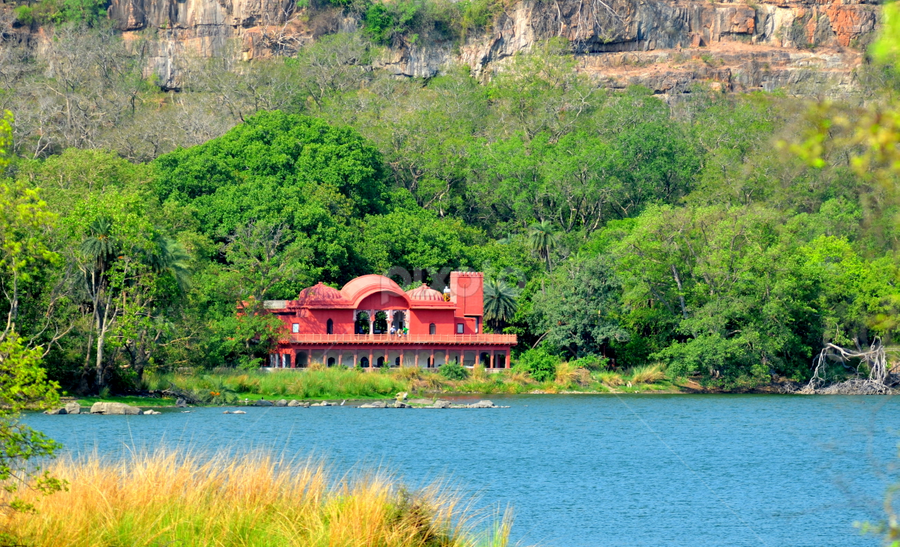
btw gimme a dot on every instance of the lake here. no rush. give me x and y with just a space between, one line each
586 470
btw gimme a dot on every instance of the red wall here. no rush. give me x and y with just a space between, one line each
383 301
420 320
467 290
316 321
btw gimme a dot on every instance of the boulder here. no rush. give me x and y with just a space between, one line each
115 409
374 404
73 408
151 412
238 412
282 402
55 411
322 403
420 401
483 404
263 402
181 403
440 404
294 402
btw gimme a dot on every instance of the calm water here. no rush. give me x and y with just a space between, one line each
587 470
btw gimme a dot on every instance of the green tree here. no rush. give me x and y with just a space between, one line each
499 303
542 239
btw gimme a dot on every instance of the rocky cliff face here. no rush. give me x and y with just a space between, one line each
804 47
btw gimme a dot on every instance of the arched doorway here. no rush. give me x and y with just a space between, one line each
329 327
396 362
485 359
379 362
380 324
432 329
362 323
331 361
364 362
302 359
398 322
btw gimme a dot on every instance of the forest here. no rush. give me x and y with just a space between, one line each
727 237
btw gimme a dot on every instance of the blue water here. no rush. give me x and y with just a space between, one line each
676 470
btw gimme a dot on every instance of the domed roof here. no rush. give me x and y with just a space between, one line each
320 293
425 293
357 289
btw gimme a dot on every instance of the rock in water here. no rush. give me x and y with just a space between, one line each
115 409
375 404
440 404
73 408
483 404
181 403
263 402
151 412
55 411
294 402
282 402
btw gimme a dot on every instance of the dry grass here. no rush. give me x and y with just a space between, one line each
609 378
648 374
568 374
171 498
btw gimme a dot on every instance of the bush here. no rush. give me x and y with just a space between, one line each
539 363
453 371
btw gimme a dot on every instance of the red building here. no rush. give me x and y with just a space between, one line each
371 322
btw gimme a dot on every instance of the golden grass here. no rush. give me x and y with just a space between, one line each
648 374
172 498
568 374
609 378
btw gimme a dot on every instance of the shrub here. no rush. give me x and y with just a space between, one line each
453 371
539 363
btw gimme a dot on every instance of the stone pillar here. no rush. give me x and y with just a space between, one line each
402 362
417 359
507 364
371 361
340 358
355 357
477 357
431 362
371 326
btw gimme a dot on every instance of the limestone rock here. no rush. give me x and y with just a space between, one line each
263 402
114 409
482 404
294 402
151 412
441 404
181 403
374 404
73 408
55 411
615 41
281 402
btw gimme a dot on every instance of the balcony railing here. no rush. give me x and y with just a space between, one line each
455 339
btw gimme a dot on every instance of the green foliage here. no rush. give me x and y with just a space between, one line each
539 363
60 12
453 371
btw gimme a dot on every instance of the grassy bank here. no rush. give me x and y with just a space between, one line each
169 498
225 387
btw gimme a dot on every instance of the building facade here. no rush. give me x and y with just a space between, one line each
372 323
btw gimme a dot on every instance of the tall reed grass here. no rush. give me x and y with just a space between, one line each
172 498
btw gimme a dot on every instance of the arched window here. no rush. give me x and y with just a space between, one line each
329 326
432 329
331 359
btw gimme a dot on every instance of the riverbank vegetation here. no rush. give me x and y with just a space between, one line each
169 497
231 387
615 229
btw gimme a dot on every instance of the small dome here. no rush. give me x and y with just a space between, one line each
320 292
425 293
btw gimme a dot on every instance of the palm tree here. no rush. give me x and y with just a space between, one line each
542 239
169 256
100 246
499 302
